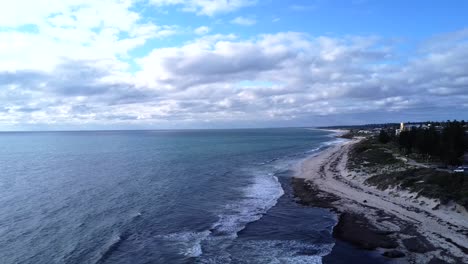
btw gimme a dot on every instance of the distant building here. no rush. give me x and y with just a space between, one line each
401 129
398 130
408 127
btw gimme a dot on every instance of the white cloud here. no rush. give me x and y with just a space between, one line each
302 7
350 74
72 66
202 30
281 77
83 13
70 29
244 21
207 7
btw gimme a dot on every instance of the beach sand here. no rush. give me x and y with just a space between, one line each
399 225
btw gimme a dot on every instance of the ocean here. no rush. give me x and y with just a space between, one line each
164 196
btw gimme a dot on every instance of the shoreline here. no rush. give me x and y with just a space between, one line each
373 220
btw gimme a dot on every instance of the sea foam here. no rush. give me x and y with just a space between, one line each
258 196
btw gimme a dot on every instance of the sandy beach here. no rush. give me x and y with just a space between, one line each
403 226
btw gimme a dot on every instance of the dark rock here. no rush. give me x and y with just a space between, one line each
357 230
393 254
310 195
418 244
436 260
385 232
365 201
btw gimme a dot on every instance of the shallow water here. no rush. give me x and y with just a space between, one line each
193 196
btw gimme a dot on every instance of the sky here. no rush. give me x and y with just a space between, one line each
175 64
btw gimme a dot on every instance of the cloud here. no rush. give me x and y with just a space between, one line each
206 7
310 76
77 92
70 63
105 29
284 78
244 21
202 30
82 13
301 8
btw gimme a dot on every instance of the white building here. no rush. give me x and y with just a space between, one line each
407 127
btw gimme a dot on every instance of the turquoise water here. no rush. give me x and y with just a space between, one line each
186 196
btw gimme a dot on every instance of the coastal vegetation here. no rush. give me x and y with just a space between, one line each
445 141
438 142
385 157
371 152
430 183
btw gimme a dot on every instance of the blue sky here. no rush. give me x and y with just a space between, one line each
393 19
407 22
131 64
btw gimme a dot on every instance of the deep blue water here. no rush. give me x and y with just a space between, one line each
190 196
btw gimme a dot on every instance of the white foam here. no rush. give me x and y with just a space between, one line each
334 141
259 196
314 150
190 242
282 251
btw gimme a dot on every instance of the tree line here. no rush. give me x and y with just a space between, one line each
448 144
